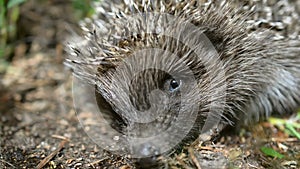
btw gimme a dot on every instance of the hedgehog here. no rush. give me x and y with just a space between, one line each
165 72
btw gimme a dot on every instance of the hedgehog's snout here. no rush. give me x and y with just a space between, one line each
150 154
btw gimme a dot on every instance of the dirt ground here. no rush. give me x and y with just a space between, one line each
39 127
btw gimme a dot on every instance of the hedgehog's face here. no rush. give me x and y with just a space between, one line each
154 102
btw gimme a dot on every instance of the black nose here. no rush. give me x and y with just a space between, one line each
148 163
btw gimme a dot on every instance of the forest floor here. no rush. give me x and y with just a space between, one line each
39 127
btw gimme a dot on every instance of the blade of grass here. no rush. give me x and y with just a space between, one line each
271 152
12 3
291 128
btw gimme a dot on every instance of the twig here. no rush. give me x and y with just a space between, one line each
60 137
98 161
194 159
277 139
181 162
8 163
51 155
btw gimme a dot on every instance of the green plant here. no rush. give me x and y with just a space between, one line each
271 152
84 8
9 14
289 126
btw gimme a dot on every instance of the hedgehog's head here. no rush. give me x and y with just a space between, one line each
155 76
151 97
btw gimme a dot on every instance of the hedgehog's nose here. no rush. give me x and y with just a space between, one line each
148 156
148 163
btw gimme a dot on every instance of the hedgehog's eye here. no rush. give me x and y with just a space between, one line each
174 85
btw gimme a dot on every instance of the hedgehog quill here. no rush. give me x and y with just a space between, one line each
165 72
